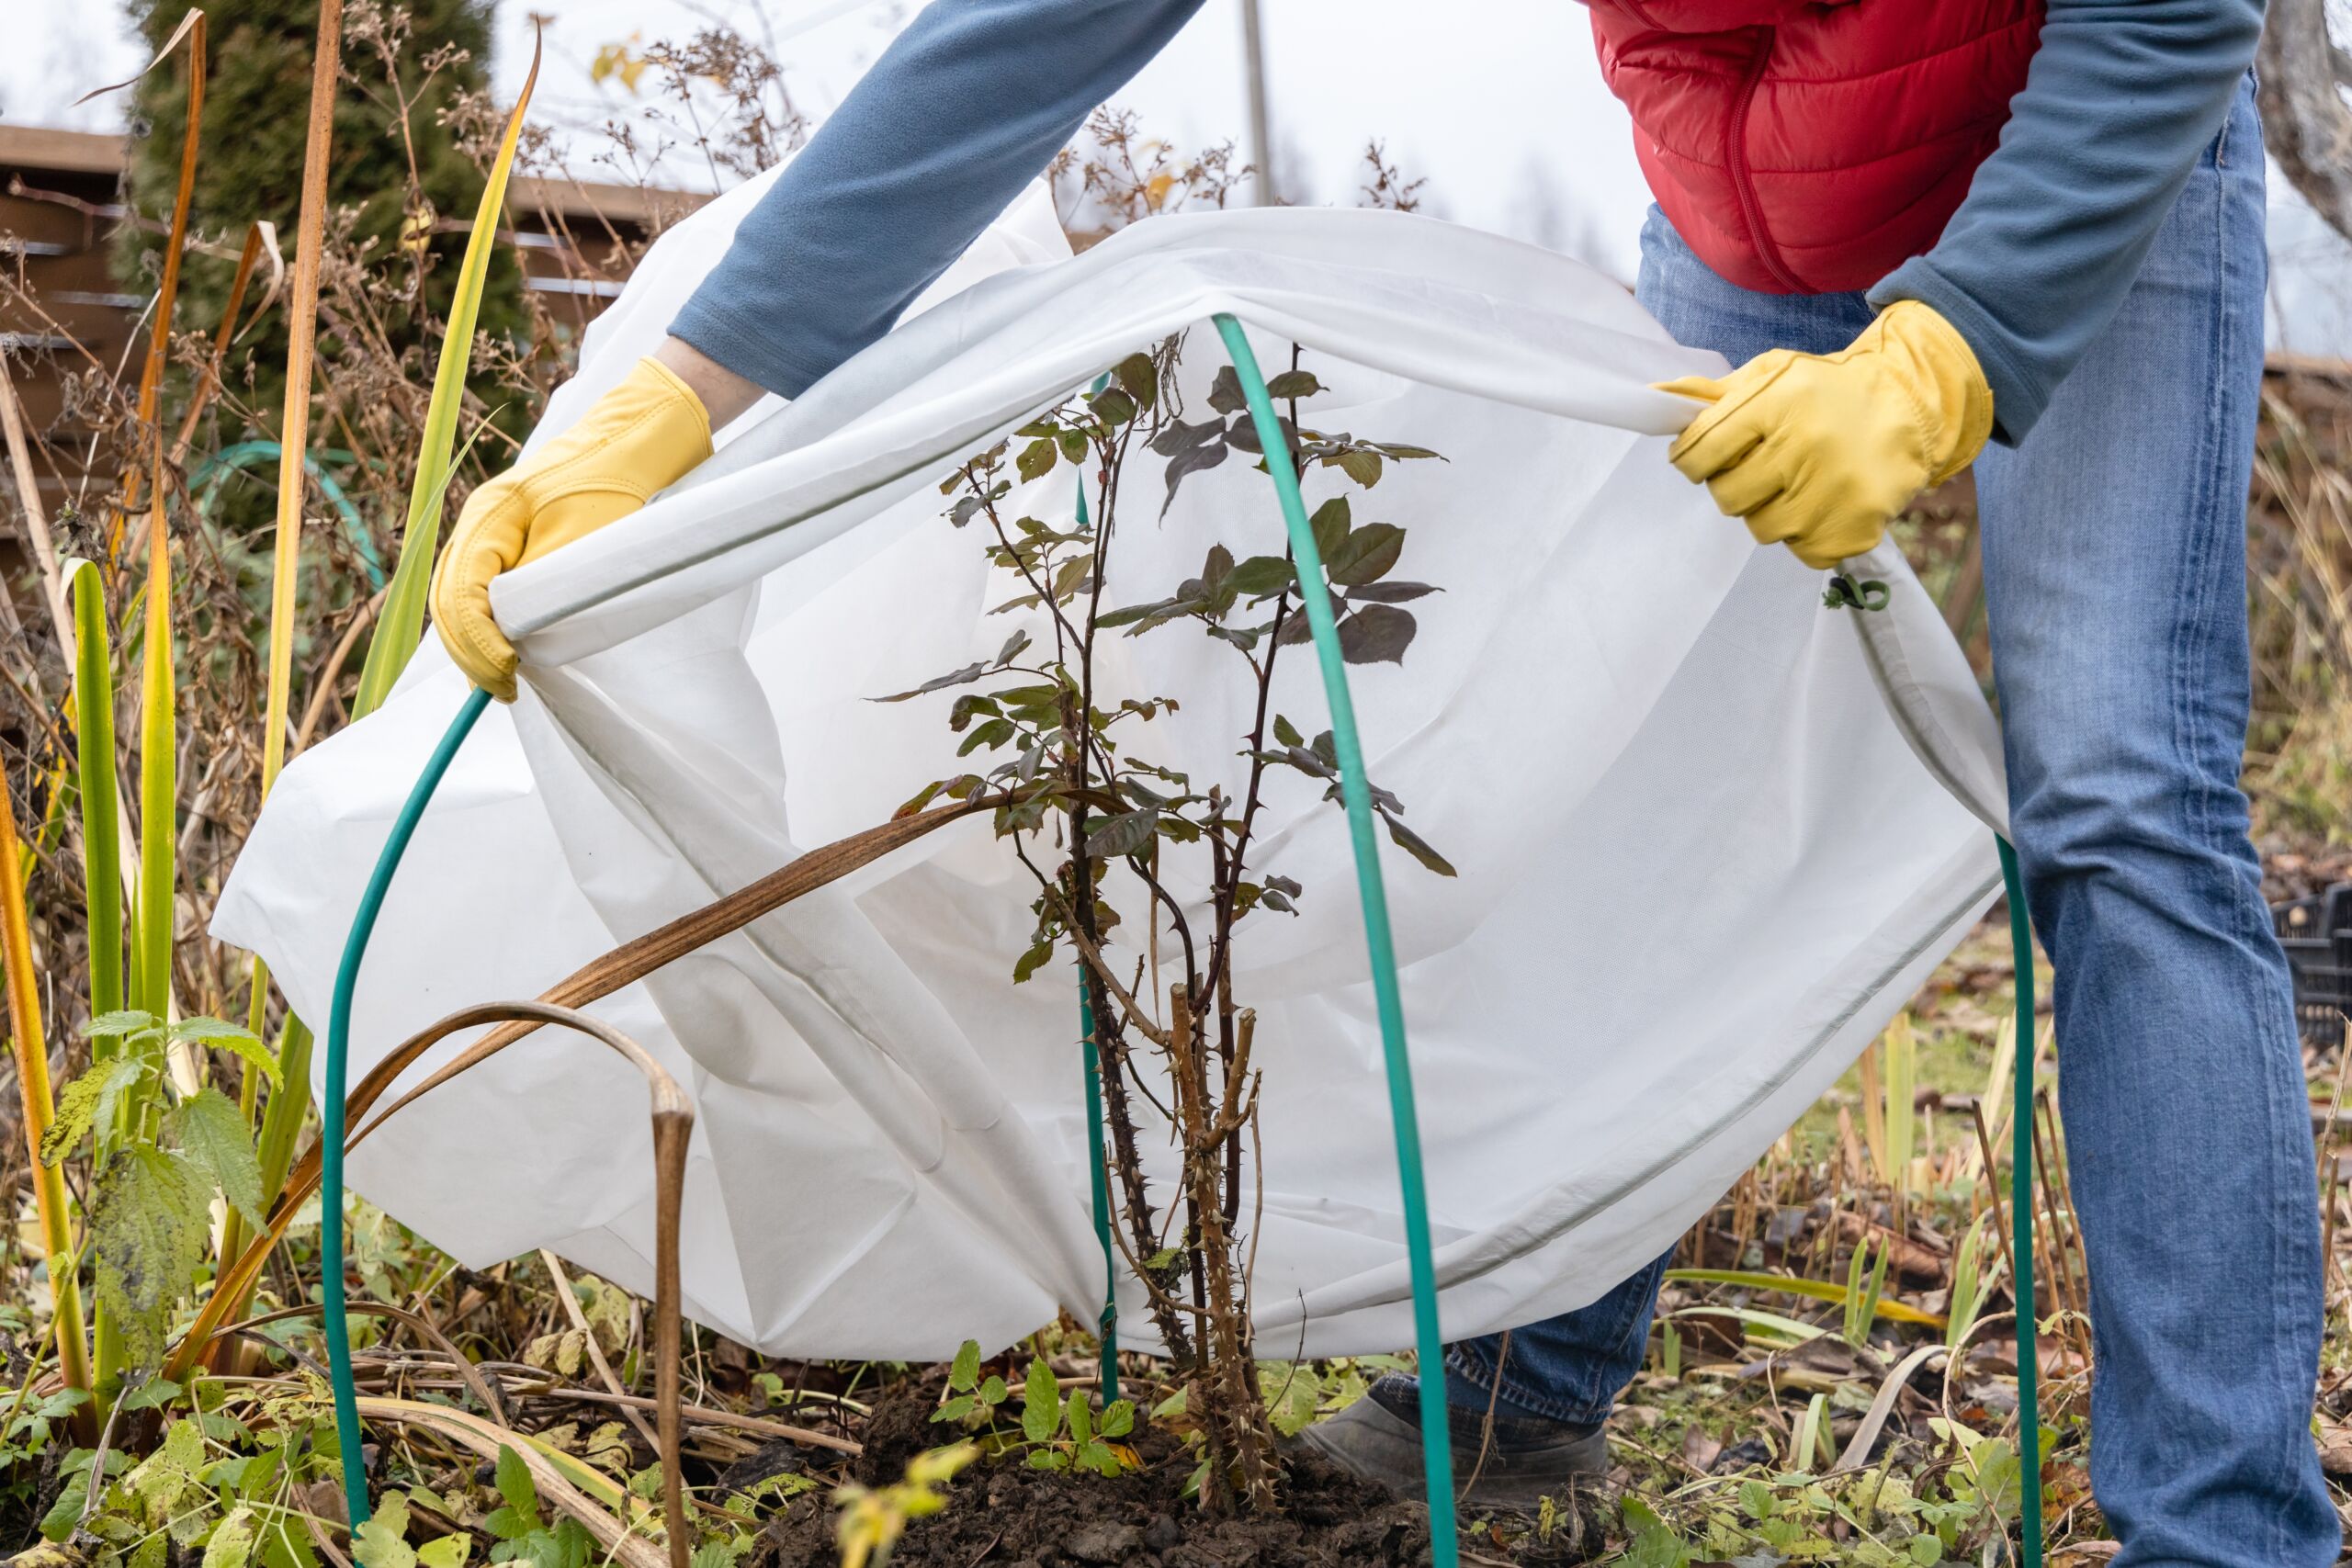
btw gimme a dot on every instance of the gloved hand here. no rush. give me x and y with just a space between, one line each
1820 451
638 438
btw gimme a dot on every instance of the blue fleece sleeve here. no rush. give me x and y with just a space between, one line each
2120 101
968 104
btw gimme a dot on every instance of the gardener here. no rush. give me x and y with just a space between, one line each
1918 229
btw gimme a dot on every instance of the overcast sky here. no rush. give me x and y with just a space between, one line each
1496 103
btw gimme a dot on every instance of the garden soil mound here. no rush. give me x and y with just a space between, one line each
1004 1515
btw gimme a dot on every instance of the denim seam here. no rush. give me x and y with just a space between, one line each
2286 1223
2193 646
2194 656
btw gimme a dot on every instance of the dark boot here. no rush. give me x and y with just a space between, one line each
1378 1439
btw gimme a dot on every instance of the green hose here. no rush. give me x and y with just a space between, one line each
331 1106
1355 790
1107 1326
2021 1216
216 467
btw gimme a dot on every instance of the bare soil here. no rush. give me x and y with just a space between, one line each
1004 1515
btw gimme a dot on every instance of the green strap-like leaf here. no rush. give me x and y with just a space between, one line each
94 773
401 622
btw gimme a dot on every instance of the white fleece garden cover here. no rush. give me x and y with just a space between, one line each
1705 851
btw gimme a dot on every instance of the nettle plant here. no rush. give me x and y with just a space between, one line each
162 1151
1081 798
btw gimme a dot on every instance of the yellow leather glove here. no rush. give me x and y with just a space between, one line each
1820 451
638 438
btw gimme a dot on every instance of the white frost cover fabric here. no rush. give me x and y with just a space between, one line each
1709 832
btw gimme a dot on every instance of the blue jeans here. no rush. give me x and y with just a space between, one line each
2114 544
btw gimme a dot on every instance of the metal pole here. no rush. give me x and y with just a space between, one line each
1253 65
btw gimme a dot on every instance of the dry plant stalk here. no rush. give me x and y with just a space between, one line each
261 239
565 1484
1992 1188
294 432
20 469
38 1109
294 439
673 1118
159 341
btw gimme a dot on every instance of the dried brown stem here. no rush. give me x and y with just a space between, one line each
1993 1186
37 535
579 1319
1132 1010
1236 1418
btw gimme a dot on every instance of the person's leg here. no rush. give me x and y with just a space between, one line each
2115 576
1567 1368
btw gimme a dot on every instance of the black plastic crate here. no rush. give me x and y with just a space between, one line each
2317 935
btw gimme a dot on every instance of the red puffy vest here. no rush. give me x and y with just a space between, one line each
1812 146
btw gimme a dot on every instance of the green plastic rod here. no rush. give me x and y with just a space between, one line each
330 1108
2021 1217
1437 1456
1107 1327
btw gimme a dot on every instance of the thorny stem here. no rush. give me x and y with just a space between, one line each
1233 1422
1112 1042
1214 1104
1093 960
1078 720
1230 865
1152 1287
1093 957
